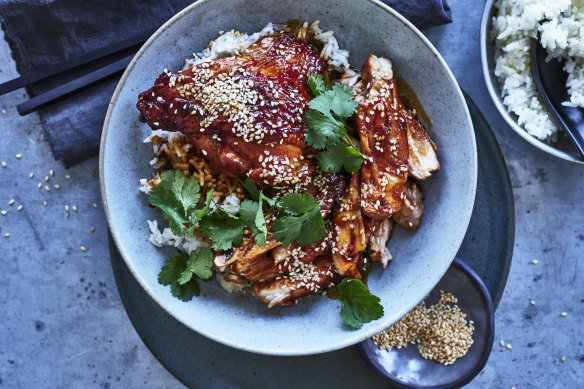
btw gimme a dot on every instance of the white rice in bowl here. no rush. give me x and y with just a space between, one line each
561 25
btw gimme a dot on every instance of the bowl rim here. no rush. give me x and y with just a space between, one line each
463 267
117 239
492 87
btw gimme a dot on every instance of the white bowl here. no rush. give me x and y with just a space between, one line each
421 257
563 148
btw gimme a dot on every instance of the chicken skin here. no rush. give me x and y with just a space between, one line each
245 113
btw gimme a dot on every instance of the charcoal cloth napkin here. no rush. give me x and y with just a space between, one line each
42 32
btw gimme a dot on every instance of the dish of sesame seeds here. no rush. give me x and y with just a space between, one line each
233 222
307 163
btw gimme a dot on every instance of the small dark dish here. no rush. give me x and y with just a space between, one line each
405 368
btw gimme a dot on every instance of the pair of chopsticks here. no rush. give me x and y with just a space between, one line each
78 83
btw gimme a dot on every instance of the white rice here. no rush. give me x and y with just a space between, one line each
561 23
235 42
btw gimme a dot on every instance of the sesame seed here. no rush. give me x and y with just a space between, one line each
45 203
39 185
74 208
47 188
94 205
7 235
67 208
563 358
534 261
31 175
3 164
19 208
11 202
564 314
68 177
509 347
502 344
18 156
57 186
440 331
52 172
3 212
92 229
83 249
532 302
3 112
47 178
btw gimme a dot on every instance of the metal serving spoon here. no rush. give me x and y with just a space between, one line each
550 80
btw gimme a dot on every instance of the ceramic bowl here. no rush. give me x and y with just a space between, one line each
405 368
421 257
562 148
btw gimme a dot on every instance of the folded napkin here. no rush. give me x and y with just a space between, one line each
49 31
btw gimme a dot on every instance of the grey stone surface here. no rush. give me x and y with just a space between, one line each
63 325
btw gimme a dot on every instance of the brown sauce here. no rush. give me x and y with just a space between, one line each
411 101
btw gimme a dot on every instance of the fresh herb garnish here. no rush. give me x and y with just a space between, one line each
299 219
181 273
224 229
327 128
358 306
176 196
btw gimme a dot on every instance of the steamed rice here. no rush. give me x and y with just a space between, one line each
561 24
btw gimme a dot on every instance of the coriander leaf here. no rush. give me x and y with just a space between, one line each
322 130
316 84
338 156
286 229
171 209
253 190
169 275
251 213
337 100
296 203
176 196
171 270
247 211
199 264
186 190
199 213
260 223
312 228
342 103
358 306
187 291
299 219
223 229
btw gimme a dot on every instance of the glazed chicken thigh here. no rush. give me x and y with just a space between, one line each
245 113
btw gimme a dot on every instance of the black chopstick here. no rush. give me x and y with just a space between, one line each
51 70
78 83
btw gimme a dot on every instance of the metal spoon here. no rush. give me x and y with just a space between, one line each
550 80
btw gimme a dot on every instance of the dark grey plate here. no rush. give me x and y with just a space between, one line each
200 362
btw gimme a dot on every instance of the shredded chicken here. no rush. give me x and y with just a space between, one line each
377 232
410 216
349 233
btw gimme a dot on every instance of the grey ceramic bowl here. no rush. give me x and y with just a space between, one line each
562 148
421 257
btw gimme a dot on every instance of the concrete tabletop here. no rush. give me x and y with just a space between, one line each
63 324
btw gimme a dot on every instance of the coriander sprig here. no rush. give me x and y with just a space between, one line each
327 128
358 306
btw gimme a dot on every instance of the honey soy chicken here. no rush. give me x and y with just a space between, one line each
245 114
